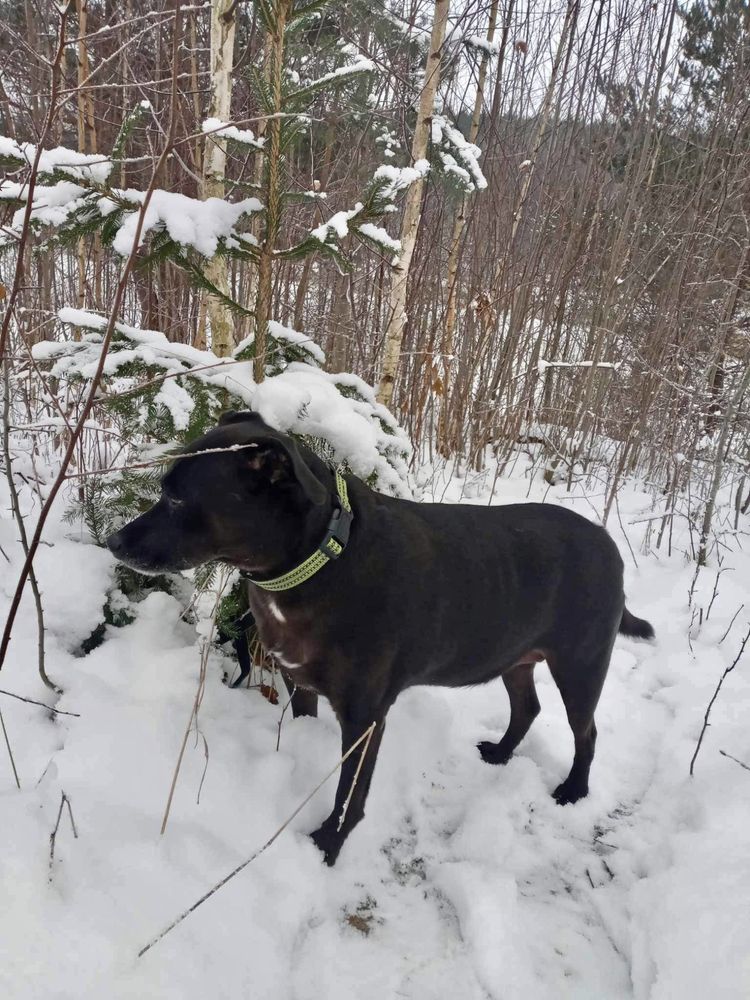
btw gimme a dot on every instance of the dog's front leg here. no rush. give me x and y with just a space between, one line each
354 783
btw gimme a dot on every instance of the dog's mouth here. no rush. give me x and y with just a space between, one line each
149 565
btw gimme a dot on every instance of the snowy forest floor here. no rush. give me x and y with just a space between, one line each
464 880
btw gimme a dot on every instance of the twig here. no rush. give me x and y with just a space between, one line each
722 569
716 695
193 715
41 704
205 649
741 763
281 718
734 619
366 735
15 503
353 785
64 800
10 752
624 532
156 461
205 767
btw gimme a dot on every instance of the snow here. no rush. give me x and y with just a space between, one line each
378 235
52 204
340 408
360 64
457 146
189 221
396 179
483 44
220 130
469 880
337 225
178 401
281 332
305 400
82 166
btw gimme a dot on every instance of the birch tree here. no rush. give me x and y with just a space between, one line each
397 315
223 23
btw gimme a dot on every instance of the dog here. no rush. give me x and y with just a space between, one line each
397 593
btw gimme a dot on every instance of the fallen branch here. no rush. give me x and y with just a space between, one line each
366 735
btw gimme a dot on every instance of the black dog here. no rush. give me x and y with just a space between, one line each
404 593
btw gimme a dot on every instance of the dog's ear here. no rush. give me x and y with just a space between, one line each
280 462
234 417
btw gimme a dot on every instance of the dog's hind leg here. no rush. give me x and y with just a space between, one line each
524 708
580 685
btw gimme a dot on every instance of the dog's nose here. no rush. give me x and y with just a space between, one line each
115 543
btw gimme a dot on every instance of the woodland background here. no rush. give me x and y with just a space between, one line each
479 252
525 223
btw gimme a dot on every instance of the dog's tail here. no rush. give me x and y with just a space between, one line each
638 628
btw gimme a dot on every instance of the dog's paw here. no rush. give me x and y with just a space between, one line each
493 753
328 842
569 792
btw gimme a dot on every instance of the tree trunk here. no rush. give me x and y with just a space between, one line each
86 141
223 22
272 192
397 315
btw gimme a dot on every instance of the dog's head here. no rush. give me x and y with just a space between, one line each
240 493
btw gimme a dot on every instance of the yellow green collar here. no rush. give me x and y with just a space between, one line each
333 544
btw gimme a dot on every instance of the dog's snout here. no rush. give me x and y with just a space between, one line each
115 543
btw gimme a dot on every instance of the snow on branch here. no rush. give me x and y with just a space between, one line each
217 129
191 222
542 366
393 180
147 374
337 225
482 44
81 166
376 234
359 64
459 157
68 205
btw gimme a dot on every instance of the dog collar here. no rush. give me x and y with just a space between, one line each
333 544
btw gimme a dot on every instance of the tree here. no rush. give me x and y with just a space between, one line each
397 315
716 47
223 22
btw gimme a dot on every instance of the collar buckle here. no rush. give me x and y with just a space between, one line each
337 533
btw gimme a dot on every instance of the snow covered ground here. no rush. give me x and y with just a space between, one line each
464 880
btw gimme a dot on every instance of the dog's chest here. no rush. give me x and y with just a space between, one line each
284 636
